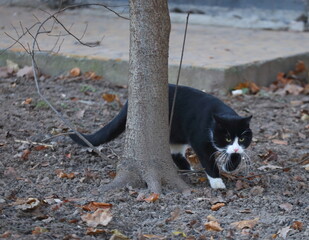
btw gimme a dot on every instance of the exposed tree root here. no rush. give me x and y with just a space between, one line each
153 178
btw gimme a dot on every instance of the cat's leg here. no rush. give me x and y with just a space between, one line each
208 162
212 173
216 183
178 152
181 162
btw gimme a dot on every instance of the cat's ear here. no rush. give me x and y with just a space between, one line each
248 119
218 119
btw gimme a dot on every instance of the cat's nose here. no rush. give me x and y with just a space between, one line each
236 150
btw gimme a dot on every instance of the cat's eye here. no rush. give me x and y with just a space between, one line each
228 139
241 139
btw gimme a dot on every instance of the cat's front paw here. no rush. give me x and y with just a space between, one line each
216 183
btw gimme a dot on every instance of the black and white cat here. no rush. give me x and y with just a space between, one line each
200 121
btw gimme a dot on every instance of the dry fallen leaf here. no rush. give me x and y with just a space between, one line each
39 230
245 224
27 101
253 88
93 206
25 154
304 116
62 174
297 225
153 237
117 235
217 206
283 232
213 226
40 147
94 231
25 71
99 217
257 190
174 215
109 97
211 218
189 211
6 234
179 233
269 156
292 89
193 158
269 167
80 114
27 204
202 179
75 72
279 142
300 67
12 66
152 198
10 172
246 210
92 76
286 207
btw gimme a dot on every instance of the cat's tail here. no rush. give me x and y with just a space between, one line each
108 132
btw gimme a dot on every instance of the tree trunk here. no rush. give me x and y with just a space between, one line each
147 158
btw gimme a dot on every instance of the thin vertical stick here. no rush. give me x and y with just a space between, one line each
179 69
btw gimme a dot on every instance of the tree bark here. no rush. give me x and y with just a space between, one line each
147 158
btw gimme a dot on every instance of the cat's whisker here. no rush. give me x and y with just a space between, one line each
222 160
219 158
245 163
213 155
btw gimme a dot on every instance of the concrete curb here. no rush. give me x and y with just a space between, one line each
116 71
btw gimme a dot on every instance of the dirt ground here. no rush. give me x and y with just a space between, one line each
63 178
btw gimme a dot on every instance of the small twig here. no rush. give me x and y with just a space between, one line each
21 26
68 31
201 170
16 41
56 43
34 143
276 170
85 30
54 136
35 40
15 30
179 69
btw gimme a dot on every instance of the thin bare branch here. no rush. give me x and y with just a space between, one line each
34 143
96 4
84 32
57 43
21 26
37 20
35 44
179 69
68 31
35 40
16 41
15 30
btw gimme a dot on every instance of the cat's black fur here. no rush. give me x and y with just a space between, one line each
200 120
